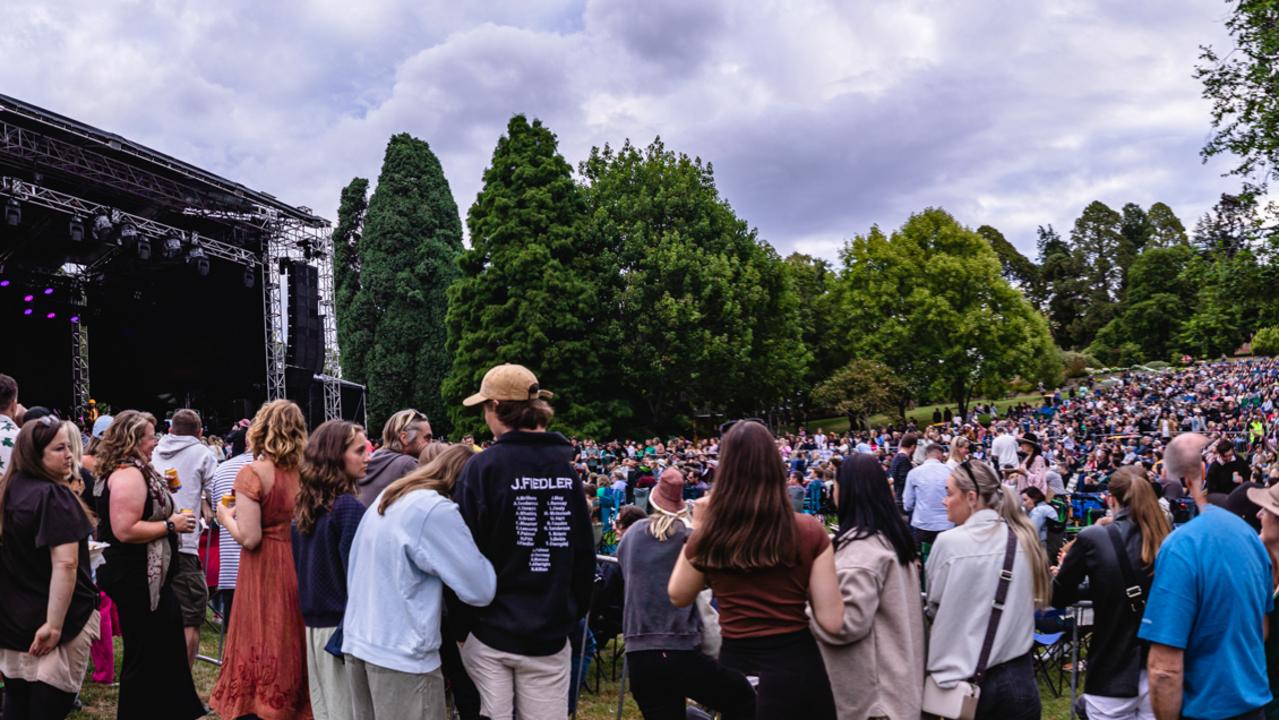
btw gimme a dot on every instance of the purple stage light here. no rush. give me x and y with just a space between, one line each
28 298
48 291
75 319
51 316
27 311
4 283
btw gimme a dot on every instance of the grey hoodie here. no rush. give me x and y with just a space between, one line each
385 467
195 465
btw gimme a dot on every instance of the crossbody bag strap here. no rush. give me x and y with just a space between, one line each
1132 588
997 610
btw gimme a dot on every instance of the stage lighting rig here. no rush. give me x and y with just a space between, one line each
128 235
197 259
76 229
172 247
102 228
143 249
13 212
250 277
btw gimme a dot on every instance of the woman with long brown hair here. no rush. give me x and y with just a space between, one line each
138 521
327 515
765 563
412 540
1116 684
264 665
50 615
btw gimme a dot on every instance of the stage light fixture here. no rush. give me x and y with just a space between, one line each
128 235
28 298
197 259
172 247
50 316
27 311
143 249
13 211
76 229
102 228
48 291
250 278
4 283
75 319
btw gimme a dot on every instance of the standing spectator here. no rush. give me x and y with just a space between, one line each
181 452
1228 470
414 539
1034 464
325 520
878 654
1116 685
964 571
765 563
264 666
50 615
404 436
958 452
1268 500
663 642
1205 617
228 548
900 468
8 419
1003 449
139 523
1039 512
925 497
525 506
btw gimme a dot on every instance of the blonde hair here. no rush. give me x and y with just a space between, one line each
76 445
976 476
121 441
1129 486
402 421
430 452
439 475
278 433
661 525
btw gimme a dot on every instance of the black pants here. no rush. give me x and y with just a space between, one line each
1009 692
466 697
662 679
155 680
792 676
35 701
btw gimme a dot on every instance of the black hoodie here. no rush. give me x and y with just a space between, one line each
527 512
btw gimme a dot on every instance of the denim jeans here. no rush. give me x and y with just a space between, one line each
1009 692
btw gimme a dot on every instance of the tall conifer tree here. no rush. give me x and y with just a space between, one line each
354 320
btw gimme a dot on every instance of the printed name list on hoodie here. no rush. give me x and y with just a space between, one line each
538 518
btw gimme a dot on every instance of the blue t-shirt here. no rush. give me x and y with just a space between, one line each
1210 595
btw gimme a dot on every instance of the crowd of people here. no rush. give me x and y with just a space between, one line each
888 572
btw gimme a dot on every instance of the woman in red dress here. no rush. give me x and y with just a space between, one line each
264 666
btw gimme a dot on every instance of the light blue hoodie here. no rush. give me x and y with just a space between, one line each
400 563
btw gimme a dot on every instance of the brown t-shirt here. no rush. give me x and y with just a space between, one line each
767 602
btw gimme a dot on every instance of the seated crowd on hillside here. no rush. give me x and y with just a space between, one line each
891 572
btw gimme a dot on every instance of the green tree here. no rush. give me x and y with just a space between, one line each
1166 229
1017 269
1266 341
1155 308
1099 248
355 316
1241 84
709 315
929 302
859 390
407 255
529 286
1061 288
813 280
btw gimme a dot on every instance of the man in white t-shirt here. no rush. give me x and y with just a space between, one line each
1003 449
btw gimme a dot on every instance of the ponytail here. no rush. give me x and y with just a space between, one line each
1129 486
977 476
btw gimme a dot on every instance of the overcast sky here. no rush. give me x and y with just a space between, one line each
821 118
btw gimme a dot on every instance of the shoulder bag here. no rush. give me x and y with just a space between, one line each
960 702
1132 588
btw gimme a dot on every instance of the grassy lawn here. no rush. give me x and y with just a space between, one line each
922 415
600 704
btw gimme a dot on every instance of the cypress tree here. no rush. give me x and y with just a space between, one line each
528 291
412 236
355 322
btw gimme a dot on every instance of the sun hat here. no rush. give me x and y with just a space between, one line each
1266 498
508 382
669 493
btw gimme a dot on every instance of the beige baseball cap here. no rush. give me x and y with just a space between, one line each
508 382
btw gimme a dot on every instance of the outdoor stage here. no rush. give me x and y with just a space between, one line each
139 281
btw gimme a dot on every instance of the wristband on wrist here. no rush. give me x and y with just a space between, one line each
170 527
